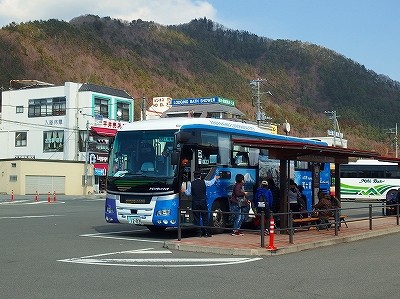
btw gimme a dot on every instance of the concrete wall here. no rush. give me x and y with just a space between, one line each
72 171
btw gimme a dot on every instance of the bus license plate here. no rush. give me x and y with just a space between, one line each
134 219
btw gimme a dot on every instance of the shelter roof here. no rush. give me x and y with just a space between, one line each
303 151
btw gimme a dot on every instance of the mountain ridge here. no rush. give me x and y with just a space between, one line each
203 58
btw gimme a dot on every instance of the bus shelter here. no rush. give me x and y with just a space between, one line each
287 151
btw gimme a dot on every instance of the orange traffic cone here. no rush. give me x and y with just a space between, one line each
271 245
37 196
48 197
54 196
12 195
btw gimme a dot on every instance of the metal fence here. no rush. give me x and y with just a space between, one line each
349 215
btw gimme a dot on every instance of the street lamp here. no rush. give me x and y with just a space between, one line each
286 127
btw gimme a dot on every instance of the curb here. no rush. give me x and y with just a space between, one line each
291 248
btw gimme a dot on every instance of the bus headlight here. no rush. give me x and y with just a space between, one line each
163 212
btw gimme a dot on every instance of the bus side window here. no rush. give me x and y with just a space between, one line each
242 159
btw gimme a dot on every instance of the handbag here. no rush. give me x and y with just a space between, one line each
251 212
242 201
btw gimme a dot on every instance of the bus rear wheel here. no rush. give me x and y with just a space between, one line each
156 229
219 218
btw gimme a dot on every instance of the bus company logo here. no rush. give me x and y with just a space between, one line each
371 181
158 189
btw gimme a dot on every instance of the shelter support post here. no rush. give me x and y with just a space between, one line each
284 185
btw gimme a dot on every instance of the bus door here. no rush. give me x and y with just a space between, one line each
186 166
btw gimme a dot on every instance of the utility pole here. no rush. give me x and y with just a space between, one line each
395 139
86 158
143 108
260 115
336 130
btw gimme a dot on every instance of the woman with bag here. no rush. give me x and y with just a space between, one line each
238 203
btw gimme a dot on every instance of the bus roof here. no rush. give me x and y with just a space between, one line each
370 162
233 127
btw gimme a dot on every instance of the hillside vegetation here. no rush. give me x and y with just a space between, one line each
203 58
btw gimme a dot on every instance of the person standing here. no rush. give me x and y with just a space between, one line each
276 203
302 202
236 208
263 202
276 200
293 195
197 188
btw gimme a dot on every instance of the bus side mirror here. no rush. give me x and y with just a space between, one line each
182 137
175 158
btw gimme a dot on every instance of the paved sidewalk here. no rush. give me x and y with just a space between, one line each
250 243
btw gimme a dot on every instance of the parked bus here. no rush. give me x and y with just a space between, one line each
145 178
369 179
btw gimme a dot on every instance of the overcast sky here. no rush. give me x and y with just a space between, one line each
366 31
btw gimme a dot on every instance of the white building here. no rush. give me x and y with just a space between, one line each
43 122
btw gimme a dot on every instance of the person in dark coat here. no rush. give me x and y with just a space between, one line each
197 188
238 210
263 202
324 208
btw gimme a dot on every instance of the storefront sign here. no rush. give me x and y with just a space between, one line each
97 158
202 101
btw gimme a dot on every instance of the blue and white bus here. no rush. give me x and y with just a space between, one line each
144 179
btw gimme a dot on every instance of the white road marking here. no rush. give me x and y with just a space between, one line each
32 216
144 250
109 236
155 262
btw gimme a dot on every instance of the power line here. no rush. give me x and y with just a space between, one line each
260 115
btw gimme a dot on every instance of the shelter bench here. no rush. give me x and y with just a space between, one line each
313 221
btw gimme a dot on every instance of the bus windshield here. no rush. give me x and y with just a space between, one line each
142 154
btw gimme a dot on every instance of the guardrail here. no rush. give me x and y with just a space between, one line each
370 213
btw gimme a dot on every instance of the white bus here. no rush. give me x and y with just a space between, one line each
369 179
144 177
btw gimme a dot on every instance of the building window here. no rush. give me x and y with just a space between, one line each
13 178
47 107
82 140
123 111
20 139
101 107
59 106
13 165
53 141
19 109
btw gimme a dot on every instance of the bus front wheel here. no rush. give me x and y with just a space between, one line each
219 218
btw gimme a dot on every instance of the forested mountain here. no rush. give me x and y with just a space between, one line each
203 58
